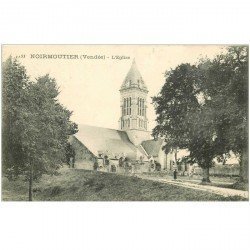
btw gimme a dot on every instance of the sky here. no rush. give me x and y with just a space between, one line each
90 87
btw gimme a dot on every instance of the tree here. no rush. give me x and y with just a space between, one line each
42 125
182 117
14 83
203 108
227 91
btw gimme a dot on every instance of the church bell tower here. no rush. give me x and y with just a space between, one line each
133 103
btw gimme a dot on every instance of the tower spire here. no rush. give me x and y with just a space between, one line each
133 101
134 79
133 105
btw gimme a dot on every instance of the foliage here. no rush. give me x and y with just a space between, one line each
228 92
182 117
14 83
203 107
36 126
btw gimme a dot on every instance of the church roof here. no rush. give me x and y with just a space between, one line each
134 79
108 141
153 147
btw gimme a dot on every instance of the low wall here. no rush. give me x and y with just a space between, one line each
220 171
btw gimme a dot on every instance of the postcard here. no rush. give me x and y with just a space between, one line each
125 122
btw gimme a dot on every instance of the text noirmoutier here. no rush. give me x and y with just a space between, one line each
77 57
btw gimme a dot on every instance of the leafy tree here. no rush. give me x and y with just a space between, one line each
41 125
14 83
182 117
227 91
203 108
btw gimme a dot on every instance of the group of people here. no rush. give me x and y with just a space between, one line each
109 166
124 165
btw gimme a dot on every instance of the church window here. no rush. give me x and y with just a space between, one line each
124 106
138 101
129 105
128 123
142 107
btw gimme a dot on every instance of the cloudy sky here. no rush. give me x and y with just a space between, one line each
90 87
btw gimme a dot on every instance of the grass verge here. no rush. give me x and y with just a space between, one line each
86 185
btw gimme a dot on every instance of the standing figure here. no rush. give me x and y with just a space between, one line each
175 174
151 164
95 166
106 162
126 165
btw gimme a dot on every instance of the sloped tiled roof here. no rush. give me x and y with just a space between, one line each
152 147
104 140
134 79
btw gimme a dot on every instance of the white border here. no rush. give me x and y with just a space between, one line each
122 225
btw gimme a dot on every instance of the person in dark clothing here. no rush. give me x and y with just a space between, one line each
126 165
70 155
95 166
107 163
175 174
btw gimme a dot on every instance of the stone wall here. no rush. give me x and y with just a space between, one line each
221 171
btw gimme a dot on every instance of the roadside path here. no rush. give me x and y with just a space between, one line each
226 192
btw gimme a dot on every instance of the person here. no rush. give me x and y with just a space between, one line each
141 160
70 155
120 162
106 160
95 166
126 165
157 166
175 174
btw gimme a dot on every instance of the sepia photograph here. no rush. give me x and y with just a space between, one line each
125 123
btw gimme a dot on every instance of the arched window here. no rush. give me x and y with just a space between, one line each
130 105
124 106
142 107
138 105
127 106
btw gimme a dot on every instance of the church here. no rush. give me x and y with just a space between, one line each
132 138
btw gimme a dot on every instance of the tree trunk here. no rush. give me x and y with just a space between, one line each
244 166
175 155
175 159
205 178
30 183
